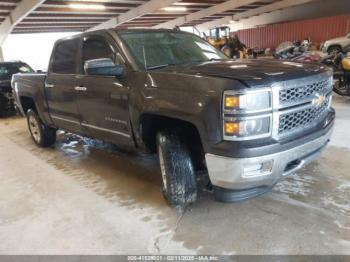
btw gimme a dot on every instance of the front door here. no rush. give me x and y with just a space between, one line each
60 85
104 100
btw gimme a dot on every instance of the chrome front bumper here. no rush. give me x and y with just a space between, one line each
264 171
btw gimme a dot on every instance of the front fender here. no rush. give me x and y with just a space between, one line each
194 99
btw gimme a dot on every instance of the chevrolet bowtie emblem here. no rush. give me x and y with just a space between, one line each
319 100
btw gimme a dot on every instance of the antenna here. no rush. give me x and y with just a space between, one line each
144 57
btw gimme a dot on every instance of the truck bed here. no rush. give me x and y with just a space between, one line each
30 86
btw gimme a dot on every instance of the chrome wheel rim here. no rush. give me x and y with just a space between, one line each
162 168
34 128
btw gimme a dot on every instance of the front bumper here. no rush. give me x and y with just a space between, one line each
263 171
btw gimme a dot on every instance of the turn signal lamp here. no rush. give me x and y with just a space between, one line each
231 128
232 101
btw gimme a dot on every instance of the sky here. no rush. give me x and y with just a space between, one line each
33 49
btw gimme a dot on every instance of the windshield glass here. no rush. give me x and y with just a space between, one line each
7 70
153 49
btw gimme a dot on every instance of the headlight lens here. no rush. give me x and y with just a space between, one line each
245 128
248 102
247 115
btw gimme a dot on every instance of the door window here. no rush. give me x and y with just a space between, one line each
65 57
97 48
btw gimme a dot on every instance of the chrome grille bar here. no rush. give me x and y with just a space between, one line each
298 104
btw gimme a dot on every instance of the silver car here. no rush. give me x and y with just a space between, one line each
336 45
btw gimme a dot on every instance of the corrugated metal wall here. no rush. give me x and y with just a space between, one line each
319 30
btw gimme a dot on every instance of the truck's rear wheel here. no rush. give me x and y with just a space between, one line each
42 135
178 174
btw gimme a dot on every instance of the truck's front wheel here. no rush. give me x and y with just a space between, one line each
42 135
178 174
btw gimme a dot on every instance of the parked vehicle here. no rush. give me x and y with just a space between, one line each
232 47
7 69
248 123
336 45
296 52
341 72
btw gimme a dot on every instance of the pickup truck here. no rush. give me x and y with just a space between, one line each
248 124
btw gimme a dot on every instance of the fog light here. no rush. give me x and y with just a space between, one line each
259 169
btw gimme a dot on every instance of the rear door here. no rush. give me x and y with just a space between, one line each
104 100
60 85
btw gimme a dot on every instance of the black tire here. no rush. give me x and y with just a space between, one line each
341 87
178 173
227 50
4 108
42 135
334 50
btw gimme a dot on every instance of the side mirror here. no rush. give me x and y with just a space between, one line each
103 67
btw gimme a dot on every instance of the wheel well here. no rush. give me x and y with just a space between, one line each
27 103
150 125
336 45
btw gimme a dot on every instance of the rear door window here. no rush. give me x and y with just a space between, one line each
64 59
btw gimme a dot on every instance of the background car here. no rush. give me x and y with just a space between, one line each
336 45
7 69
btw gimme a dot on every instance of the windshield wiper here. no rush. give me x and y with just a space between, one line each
159 66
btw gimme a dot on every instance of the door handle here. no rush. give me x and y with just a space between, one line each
80 88
49 85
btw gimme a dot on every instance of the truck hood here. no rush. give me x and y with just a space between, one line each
251 72
338 39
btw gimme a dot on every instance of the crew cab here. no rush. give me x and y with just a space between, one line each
247 123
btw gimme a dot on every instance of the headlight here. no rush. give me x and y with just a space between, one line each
240 129
249 102
247 115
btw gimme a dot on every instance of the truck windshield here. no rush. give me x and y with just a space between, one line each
7 70
152 50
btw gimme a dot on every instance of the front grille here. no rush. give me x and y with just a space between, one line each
298 104
298 94
302 119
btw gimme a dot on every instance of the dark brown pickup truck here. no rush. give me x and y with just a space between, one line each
248 123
